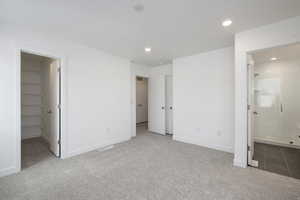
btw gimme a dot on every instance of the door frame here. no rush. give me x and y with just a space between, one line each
248 161
133 101
278 34
147 96
250 110
62 94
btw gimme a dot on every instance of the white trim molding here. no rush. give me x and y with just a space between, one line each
8 171
216 147
98 147
275 142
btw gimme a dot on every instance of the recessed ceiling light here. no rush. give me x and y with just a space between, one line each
147 49
273 58
138 7
226 22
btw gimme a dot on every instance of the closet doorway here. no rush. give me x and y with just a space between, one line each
141 104
40 109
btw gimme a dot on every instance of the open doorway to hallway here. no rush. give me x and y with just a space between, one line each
274 110
141 104
40 109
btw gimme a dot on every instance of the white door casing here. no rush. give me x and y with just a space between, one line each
251 111
54 107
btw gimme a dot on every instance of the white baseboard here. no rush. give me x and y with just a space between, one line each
238 163
106 148
92 148
274 142
8 171
216 147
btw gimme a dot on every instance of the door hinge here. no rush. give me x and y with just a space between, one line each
59 106
248 148
58 142
58 69
249 107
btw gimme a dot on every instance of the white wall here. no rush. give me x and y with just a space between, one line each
287 128
281 33
96 95
203 87
164 70
140 70
8 100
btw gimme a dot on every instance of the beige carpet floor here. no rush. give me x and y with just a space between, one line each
148 167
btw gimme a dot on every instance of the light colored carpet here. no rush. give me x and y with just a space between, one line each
151 167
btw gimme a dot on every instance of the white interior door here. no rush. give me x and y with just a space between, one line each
156 112
169 104
53 107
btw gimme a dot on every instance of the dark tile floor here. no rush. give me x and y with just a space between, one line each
277 159
34 150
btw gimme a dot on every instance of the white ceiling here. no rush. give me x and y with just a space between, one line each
281 53
173 28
